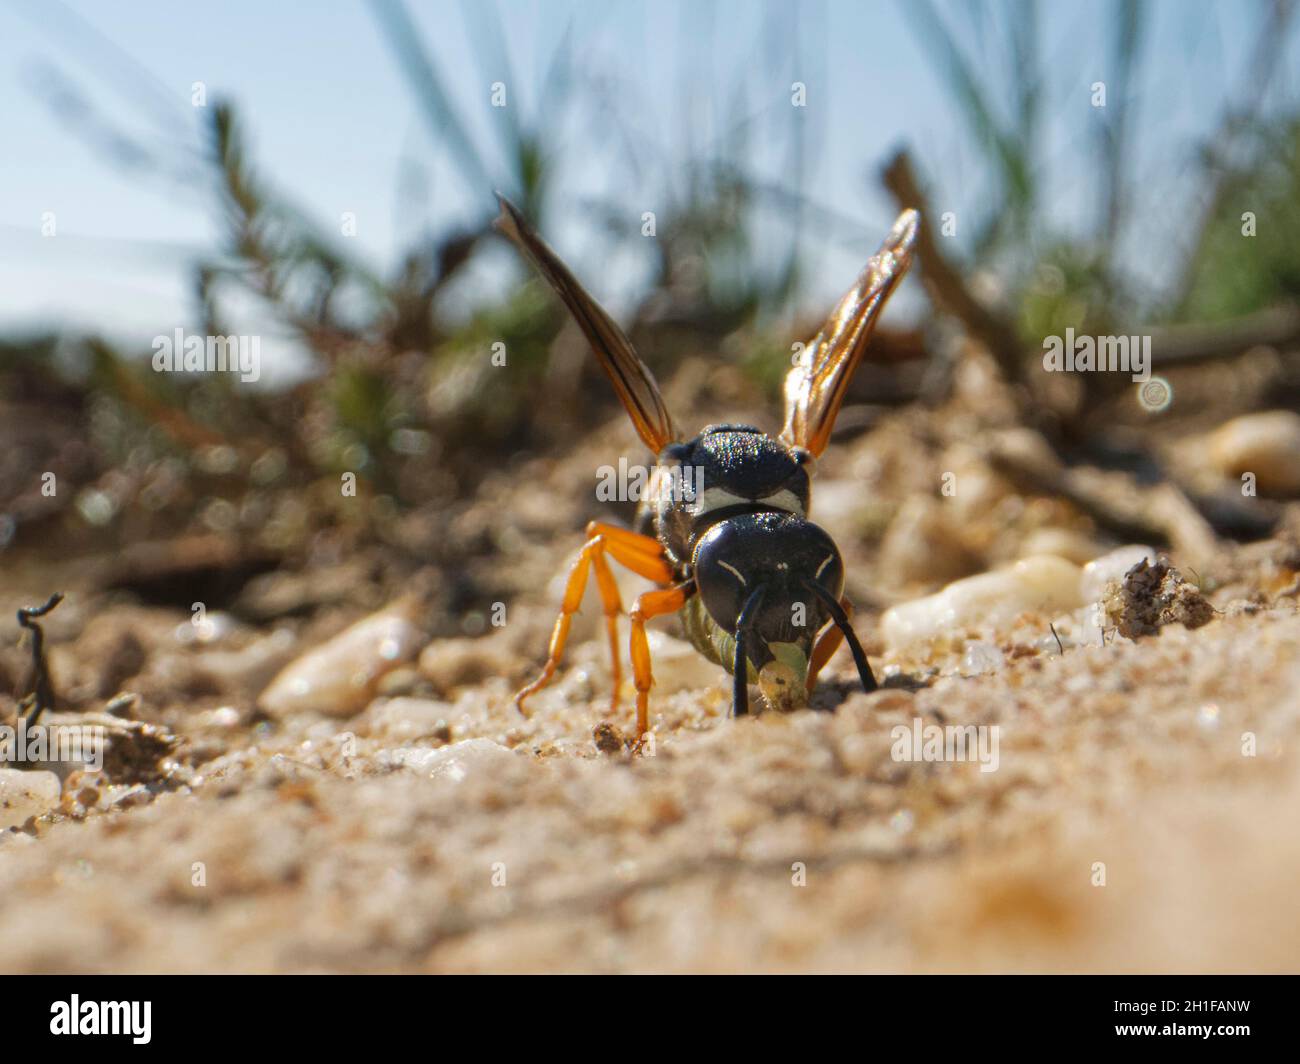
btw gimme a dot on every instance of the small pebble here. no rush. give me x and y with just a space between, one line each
458 762
609 740
26 794
1044 583
449 664
981 658
1267 445
902 822
339 677
122 705
1062 542
454 763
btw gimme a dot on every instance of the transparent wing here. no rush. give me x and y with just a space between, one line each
630 376
815 387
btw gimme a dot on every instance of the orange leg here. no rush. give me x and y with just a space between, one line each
827 643
613 604
643 555
651 604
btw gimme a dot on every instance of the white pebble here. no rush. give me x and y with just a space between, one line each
339 676
406 717
1110 568
981 657
454 763
1267 445
1064 543
457 762
1043 583
418 759
26 794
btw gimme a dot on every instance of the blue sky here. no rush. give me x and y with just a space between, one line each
332 123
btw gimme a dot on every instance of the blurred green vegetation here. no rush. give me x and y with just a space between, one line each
404 392
1050 279
1234 276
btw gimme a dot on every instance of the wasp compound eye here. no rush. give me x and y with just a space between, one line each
723 586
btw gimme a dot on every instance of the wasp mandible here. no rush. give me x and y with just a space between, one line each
760 587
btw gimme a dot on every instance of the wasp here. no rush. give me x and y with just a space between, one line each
759 586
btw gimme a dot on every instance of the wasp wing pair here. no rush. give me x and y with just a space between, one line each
814 392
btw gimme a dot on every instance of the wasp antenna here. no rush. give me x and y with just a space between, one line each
740 669
841 621
740 679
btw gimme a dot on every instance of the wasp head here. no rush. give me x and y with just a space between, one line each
766 578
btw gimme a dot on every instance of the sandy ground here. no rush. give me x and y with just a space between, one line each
433 834
1141 816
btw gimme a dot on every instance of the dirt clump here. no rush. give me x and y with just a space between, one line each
1151 596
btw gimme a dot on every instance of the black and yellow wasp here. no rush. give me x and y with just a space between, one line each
760 586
